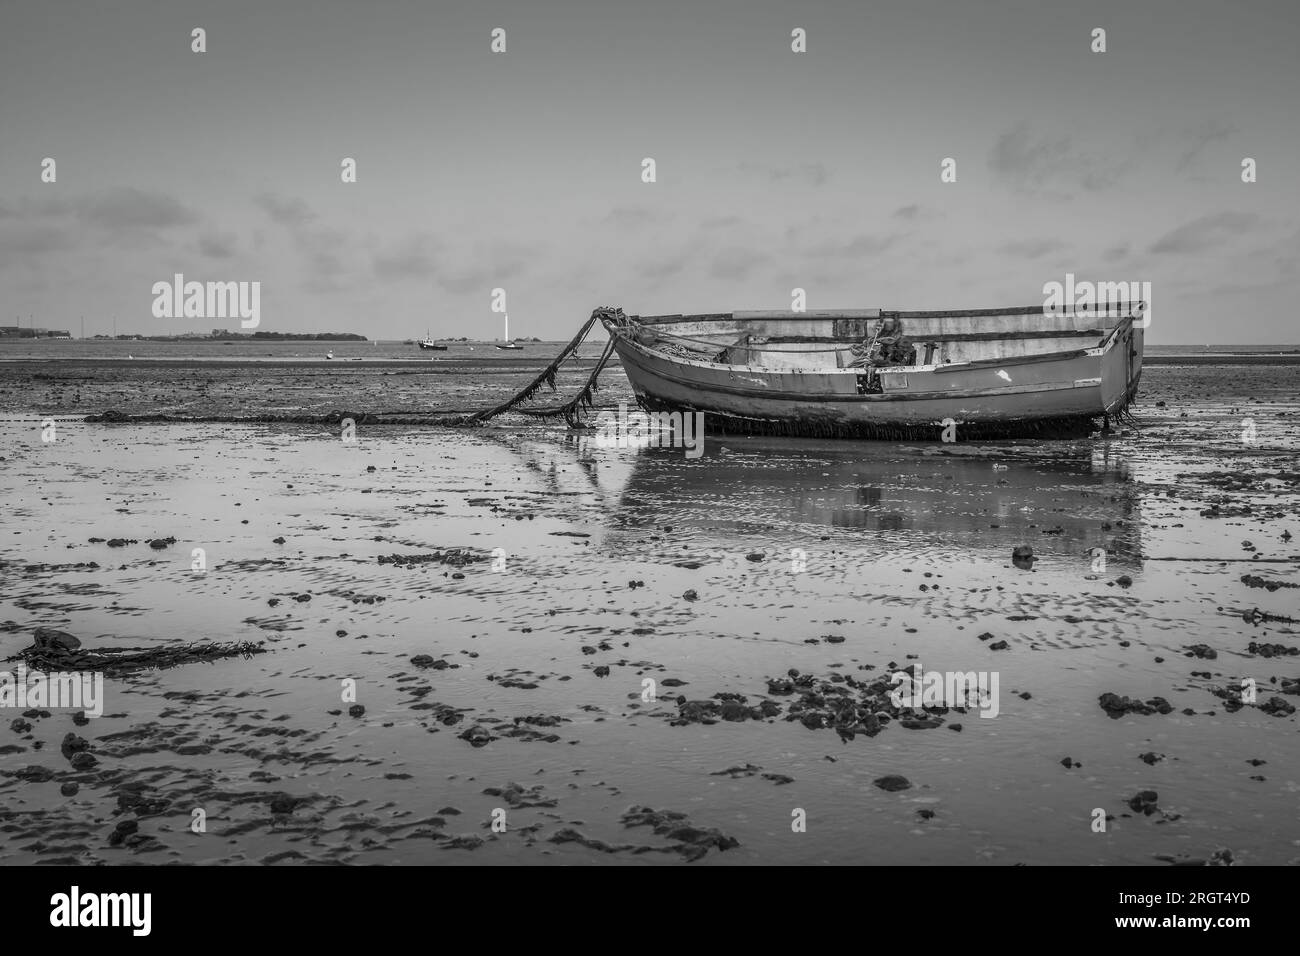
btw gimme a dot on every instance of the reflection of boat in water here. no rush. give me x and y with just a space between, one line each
1070 502
992 372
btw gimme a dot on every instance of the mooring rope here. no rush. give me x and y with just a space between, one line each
573 409
547 377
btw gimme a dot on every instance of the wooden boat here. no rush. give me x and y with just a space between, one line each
984 373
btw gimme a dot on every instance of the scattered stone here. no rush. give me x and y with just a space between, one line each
476 736
1116 706
1144 802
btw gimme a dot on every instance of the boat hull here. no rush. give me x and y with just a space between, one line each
1040 395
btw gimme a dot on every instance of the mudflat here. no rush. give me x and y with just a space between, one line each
631 656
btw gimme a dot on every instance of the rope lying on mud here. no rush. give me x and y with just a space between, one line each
571 410
53 650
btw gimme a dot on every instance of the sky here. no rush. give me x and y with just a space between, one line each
523 170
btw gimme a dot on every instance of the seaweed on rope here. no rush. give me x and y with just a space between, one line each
547 378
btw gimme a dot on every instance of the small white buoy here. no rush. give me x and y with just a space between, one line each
329 354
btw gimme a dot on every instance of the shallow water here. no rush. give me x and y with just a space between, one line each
906 552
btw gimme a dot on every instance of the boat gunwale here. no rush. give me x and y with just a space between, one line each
1042 358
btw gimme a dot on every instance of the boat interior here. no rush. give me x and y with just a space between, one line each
845 339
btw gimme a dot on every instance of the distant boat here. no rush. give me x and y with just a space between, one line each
329 354
984 372
432 346
509 346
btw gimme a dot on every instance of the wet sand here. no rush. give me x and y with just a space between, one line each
520 688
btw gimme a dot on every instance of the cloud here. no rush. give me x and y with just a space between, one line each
632 217
217 246
412 259
492 264
856 248
811 174
32 228
721 222
1031 248
1027 163
1206 232
128 208
23 241
662 268
287 212
736 263
1202 136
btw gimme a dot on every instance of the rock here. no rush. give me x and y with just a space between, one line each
1116 706
1144 802
892 783
282 803
70 789
476 736
73 744
83 761
1151 757
1124 581
1023 557
1277 707
690 595
48 639
356 710
999 646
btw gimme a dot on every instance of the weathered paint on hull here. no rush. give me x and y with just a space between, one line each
1061 394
